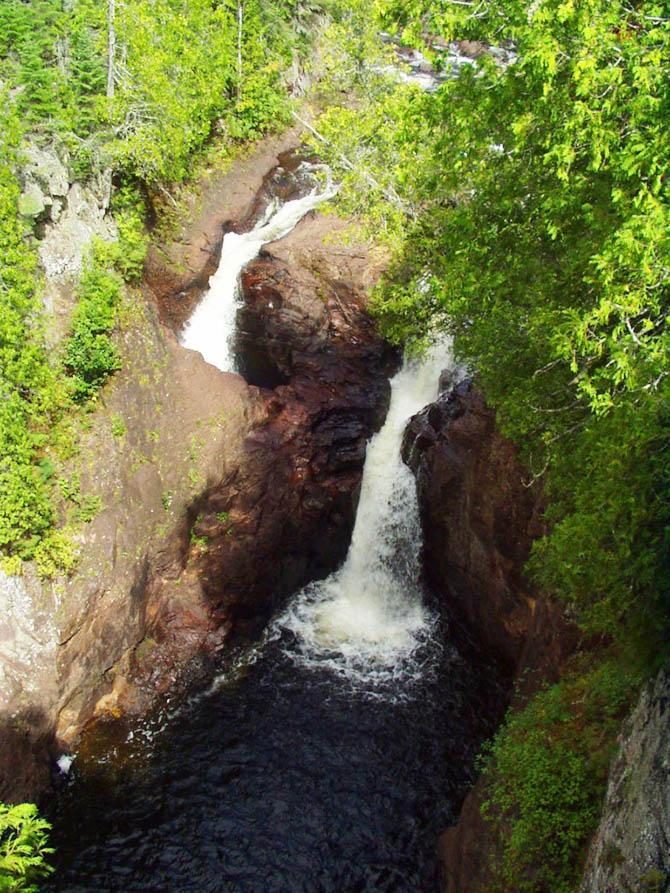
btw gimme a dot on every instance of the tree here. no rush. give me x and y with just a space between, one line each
539 236
111 47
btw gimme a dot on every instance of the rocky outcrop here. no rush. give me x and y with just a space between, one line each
66 216
479 519
631 849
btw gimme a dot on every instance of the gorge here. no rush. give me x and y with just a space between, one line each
302 720
333 446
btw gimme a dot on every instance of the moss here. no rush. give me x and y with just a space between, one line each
145 648
118 426
654 881
612 855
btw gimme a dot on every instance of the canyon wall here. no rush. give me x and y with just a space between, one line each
631 849
479 520
217 497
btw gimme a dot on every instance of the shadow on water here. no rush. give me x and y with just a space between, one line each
280 778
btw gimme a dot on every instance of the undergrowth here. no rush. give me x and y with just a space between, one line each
545 773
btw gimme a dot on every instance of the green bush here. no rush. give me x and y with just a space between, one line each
546 771
30 392
90 355
23 848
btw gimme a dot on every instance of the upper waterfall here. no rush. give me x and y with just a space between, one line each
211 328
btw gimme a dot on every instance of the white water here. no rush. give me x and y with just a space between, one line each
211 328
368 621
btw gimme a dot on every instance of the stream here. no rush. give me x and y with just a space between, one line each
327 757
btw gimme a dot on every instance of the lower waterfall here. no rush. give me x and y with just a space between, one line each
368 620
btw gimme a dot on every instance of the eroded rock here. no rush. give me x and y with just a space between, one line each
631 849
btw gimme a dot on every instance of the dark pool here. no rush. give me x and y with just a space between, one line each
285 779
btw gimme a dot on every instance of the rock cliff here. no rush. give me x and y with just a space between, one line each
631 850
479 519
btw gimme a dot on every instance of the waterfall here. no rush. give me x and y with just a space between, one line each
368 620
211 328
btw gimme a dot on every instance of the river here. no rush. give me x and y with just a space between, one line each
327 757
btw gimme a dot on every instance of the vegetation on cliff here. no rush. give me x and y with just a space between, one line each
135 89
531 220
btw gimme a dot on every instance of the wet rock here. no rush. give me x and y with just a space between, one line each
631 848
217 499
479 519
27 750
259 486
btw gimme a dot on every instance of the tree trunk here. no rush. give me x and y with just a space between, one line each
111 47
240 28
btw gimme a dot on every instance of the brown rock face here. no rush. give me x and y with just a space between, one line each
479 521
284 514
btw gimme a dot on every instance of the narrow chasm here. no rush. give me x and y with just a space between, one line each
332 733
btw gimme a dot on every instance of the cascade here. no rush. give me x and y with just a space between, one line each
368 620
211 328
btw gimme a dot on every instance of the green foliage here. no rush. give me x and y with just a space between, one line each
350 50
90 354
29 391
183 79
177 79
528 211
23 848
128 252
532 222
118 426
545 774
54 57
176 75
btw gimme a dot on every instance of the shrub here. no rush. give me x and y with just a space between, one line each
90 354
546 771
23 848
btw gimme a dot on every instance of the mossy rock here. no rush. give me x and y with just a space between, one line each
32 203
